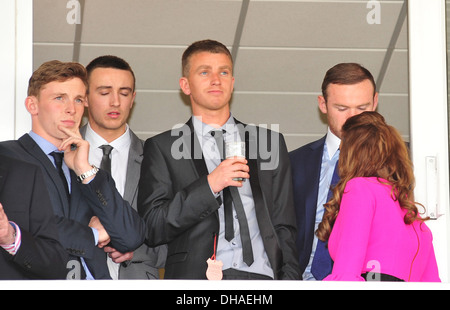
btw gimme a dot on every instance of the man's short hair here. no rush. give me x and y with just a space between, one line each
210 46
346 74
110 61
55 70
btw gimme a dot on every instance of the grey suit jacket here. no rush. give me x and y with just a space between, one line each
176 202
146 260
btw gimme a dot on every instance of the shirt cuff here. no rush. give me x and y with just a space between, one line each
95 232
13 248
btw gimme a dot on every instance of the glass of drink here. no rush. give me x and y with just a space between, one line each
235 149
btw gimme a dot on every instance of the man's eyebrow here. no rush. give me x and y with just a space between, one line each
80 96
110 87
103 87
66 95
208 67
201 67
346 106
59 94
126 88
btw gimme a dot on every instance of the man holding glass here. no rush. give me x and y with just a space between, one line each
187 186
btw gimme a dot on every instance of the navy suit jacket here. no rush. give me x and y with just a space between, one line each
100 197
305 163
26 202
146 261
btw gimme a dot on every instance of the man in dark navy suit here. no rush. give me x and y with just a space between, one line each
347 89
29 246
89 211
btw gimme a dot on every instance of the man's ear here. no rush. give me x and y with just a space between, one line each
375 101
184 85
322 104
31 104
132 102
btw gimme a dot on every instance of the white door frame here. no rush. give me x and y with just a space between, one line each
16 63
429 119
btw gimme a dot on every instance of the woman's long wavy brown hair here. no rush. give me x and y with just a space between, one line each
371 148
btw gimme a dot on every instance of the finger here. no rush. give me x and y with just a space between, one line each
241 174
120 258
69 142
235 160
104 243
240 167
93 221
2 212
70 132
109 249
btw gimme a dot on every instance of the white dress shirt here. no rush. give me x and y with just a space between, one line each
119 160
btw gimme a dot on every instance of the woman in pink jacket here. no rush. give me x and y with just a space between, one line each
372 223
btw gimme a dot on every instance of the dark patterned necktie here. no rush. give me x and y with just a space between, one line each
105 164
59 158
231 195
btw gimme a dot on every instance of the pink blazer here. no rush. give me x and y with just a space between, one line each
370 235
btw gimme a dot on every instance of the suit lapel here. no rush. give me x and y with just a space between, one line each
251 142
135 156
3 174
313 167
33 149
251 136
74 196
195 151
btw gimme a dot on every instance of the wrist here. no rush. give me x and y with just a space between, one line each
12 234
89 174
10 237
213 188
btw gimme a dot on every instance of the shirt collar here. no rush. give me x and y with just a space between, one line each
96 140
333 143
205 129
46 146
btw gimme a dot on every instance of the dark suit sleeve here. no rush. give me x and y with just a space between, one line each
170 210
123 224
40 255
283 215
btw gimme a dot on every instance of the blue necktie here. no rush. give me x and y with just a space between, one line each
322 263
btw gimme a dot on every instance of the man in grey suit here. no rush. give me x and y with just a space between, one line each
111 94
185 187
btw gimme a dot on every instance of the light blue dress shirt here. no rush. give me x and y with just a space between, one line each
48 148
329 158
